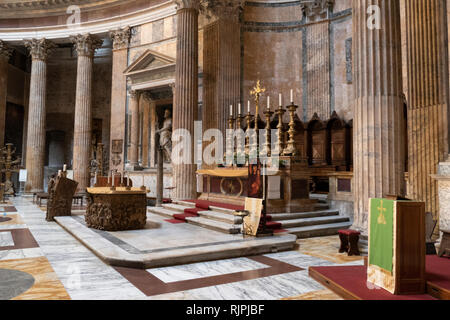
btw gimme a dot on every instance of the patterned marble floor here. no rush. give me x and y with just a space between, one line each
40 261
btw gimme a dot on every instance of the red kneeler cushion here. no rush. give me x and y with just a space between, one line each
349 232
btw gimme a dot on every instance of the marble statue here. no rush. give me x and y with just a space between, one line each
165 136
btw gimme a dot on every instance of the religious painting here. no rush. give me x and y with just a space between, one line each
117 146
255 181
250 224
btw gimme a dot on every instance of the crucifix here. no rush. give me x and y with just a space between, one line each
381 219
257 92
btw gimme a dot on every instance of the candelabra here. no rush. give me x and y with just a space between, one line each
290 149
280 145
239 147
230 146
267 146
248 120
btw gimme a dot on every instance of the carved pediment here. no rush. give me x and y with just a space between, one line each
150 61
151 69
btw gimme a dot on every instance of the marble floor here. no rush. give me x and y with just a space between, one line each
41 260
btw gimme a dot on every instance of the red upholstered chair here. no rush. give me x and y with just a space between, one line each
349 242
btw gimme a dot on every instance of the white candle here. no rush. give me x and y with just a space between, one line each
64 167
248 106
59 173
231 110
268 102
292 96
112 176
240 111
128 179
281 99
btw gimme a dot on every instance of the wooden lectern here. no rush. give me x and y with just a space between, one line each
397 246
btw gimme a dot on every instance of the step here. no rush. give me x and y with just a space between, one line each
214 225
175 207
322 206
319 230
162 211
301 215
184 203
312 221
223 210
220 216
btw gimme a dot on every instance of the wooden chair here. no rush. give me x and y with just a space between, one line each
444 249
430 225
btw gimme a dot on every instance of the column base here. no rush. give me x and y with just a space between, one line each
133 167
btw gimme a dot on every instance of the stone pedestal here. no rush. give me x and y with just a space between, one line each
39 50
85 46
442 179
378 107
116 210
186 95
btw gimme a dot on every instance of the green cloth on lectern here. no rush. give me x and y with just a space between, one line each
381 242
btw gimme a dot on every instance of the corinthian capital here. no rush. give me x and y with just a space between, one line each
188 4
5 51
222 7
120 38
86 44
315 7
40 49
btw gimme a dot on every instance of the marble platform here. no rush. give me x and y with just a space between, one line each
162 243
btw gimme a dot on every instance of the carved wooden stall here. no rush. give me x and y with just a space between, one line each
300 140
317 142
338 135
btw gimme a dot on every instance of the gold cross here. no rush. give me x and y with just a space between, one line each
381 219
257 91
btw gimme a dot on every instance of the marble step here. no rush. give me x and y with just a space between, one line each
175 207
162 211
322 206
300 215
214 225
311 221
319 230
185 203
220 216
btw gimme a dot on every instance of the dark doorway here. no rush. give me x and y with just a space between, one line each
14 126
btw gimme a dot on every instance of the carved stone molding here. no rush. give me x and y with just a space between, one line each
188 4
134 94
315 7
40 49
121 38
86 44
5 51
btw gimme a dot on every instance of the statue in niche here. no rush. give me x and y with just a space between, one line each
165 136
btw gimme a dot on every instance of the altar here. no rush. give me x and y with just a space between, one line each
287 190
116 209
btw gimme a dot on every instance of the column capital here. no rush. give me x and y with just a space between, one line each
5 51
148 96
40 49
134 94
120 38
222 8
86 44
188 4
315 7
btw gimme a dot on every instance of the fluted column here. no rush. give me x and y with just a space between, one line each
85 46
39 50
120 40
5 53
186 96
425 88
378 107
134 134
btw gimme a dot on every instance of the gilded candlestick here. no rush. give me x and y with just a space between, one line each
290 149
280 145
267 146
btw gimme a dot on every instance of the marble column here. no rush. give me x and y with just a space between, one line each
186 93
85 45
120 40
5 53
133 157
221 62
39 49
378 107
426 83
